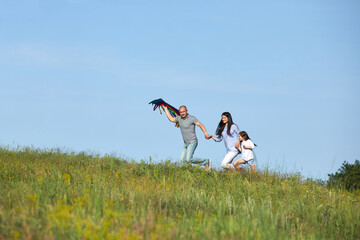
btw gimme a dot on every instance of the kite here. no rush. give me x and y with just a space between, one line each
160 103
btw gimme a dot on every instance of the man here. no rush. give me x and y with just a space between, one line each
187 124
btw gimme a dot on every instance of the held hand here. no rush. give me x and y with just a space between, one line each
237 144
207 136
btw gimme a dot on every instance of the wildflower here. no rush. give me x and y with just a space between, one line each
40 180
67 178
32 198
15 235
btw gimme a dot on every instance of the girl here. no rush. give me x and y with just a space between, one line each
246 147
228 131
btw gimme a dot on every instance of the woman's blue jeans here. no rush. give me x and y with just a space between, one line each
188 153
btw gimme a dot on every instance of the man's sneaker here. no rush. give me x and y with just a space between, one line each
208 165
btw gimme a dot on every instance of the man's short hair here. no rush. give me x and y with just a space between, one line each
183 106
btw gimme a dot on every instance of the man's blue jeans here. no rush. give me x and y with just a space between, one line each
188 153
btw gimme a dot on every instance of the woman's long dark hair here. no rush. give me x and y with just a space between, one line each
221 125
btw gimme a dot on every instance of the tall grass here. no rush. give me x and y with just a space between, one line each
49 194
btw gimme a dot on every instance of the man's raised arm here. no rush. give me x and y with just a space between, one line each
171 118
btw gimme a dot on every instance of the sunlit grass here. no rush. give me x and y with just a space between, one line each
47 194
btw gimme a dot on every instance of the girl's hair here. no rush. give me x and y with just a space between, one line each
245 136
221 125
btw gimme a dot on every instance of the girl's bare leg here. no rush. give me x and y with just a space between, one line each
237 163
253 168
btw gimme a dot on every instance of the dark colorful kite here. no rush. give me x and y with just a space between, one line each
160 103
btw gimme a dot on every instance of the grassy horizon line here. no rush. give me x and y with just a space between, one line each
50 194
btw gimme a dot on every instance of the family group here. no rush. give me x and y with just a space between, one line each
236 141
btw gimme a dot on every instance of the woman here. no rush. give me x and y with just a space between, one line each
228 131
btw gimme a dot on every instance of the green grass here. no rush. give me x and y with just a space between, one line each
48 194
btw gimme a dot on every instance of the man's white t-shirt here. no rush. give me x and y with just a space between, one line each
247 154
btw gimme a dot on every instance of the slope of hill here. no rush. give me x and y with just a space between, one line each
48 194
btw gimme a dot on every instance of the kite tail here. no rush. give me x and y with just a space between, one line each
160 103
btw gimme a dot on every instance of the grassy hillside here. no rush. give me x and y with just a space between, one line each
46 194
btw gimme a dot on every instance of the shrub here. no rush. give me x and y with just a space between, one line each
347 176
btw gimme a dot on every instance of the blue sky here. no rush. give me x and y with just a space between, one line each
79 74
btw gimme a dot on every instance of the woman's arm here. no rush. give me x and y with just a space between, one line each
235 129
238 145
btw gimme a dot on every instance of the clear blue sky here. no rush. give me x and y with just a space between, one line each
79 74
